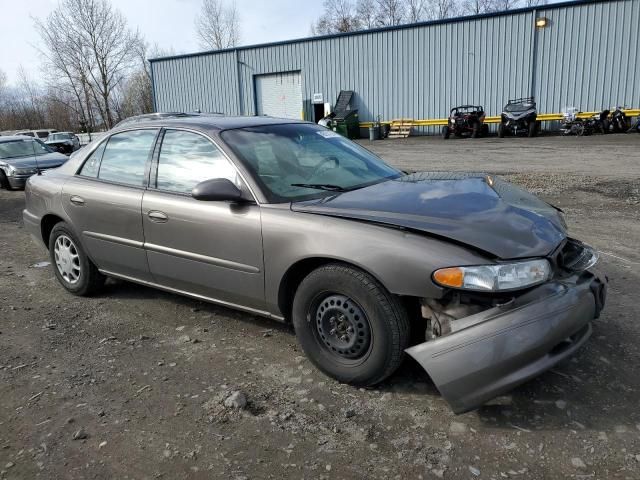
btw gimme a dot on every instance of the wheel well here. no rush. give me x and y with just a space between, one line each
46 226
296 273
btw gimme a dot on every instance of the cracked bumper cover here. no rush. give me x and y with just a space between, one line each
505 346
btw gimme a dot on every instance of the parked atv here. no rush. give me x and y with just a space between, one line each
574 125
618 121
519 115
466 120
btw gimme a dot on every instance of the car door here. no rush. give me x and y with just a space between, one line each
207 248
104 202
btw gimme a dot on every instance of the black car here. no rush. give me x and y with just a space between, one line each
21 157
466 120
63 142
519 115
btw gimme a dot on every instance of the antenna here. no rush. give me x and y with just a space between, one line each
35 157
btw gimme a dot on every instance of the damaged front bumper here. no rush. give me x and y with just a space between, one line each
492 351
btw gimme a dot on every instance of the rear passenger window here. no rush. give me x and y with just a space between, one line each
125 157
92 164
187 159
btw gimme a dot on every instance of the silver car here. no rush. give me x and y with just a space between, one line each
474 278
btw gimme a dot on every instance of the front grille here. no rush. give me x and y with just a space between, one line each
575 256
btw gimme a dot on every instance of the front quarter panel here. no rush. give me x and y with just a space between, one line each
401 260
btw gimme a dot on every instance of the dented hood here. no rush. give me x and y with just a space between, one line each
477 210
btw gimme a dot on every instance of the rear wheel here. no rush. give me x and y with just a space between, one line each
446 132
71 265
349 326
485 130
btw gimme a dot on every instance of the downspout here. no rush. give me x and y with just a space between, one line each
534 55
239 73
153 89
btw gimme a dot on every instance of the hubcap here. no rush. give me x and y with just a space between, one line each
342 326
67 259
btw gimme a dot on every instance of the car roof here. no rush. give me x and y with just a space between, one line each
209 122
9 138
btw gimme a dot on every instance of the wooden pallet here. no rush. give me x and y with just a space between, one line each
400 128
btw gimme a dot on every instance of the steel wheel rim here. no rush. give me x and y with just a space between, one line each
341 327
67 259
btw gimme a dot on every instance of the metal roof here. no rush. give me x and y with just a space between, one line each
383 29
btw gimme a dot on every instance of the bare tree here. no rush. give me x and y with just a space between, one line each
439 9
476 7
367 14
339 16
500 5
93 54
535 3
218 25
391 12
416 10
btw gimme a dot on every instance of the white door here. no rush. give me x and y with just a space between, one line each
279 95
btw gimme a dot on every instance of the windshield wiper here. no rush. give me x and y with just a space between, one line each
321 186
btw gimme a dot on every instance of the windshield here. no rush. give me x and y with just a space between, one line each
282 157
59 136
23 148
518 107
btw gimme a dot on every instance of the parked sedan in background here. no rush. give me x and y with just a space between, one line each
21 157
64 142
473 277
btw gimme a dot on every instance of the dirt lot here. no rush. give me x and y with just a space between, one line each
130 384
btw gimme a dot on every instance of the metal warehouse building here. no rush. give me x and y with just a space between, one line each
582 54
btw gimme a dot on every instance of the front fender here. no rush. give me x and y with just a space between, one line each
401 260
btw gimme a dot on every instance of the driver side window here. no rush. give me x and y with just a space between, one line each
187 158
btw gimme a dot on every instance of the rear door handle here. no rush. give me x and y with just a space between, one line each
158 217
76 200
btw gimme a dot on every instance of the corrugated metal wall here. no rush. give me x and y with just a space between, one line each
587 56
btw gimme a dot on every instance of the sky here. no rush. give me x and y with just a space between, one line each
167 23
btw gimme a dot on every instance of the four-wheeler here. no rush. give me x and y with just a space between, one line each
519 115
466 120
618 121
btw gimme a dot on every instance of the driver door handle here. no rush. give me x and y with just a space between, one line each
158 217
76 200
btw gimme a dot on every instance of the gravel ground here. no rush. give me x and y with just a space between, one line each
137 383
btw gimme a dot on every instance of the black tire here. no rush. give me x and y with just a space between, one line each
533 129
501 130
379 325
476 130
4 183
485 130
89 279
604 126
446 132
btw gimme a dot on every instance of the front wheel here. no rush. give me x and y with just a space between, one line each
476 130
71 265
349 325
446 132
533 129
501 130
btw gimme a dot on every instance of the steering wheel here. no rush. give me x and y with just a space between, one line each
323 166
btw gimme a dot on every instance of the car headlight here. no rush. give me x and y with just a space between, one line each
11 171
494 278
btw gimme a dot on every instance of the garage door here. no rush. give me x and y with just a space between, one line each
279 95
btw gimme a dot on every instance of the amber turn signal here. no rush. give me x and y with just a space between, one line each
449 277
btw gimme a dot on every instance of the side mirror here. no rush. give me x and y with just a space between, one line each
217 189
